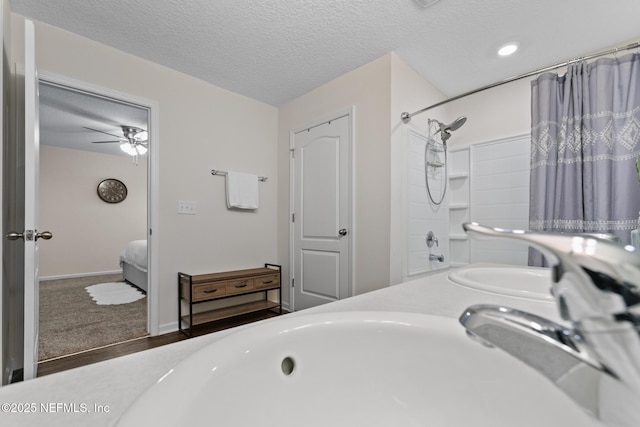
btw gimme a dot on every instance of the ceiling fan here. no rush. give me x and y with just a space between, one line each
133 143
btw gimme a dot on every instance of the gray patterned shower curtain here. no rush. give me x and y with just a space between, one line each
585 139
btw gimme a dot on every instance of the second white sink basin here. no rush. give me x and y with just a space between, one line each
353 369
532 283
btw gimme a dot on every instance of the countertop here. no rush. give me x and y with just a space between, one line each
97 394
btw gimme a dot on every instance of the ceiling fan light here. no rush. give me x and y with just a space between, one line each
128 148
142 136
141 149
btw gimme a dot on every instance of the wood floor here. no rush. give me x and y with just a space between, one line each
139 344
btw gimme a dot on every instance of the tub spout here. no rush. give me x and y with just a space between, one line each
433 257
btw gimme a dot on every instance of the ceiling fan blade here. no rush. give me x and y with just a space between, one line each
133 129
106 133
105 142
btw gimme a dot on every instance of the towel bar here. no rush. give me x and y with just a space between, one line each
219 172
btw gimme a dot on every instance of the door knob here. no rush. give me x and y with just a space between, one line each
342 232
14 236
46 235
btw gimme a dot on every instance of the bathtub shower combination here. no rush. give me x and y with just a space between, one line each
426 198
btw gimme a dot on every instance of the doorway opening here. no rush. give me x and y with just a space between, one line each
94 196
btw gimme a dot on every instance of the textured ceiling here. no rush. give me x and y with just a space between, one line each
277 50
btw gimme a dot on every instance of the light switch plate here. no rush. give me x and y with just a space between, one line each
186 207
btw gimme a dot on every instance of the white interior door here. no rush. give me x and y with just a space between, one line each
31 234
322 213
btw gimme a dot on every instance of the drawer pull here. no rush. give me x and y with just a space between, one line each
242 285
209 291
266 283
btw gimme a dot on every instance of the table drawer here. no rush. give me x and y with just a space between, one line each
205 291
238 286
267 282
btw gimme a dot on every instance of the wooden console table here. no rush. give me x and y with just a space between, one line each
196 289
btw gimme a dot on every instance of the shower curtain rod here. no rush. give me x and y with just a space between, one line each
406 117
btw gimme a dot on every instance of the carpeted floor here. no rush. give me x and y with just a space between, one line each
70 321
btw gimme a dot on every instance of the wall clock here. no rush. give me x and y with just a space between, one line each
112 190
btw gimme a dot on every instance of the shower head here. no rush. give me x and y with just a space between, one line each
456 124
445 130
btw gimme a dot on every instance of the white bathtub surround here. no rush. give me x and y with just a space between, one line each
499 197
459 206
423 159
116 383
488 183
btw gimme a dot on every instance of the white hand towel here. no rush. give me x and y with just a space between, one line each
242 190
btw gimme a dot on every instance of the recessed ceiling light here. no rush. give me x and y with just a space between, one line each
508 49
426 3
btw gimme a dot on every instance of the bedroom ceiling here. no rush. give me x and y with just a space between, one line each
65 113
277 50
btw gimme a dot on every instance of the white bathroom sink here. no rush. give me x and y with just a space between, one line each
352 369
521 282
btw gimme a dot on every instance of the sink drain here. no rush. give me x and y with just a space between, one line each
288 365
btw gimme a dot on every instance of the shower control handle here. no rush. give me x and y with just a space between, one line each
431 239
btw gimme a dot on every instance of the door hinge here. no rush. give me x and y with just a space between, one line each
293 217
293 283
293 152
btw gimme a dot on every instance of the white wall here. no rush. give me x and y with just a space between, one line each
497 113
89 233
202 127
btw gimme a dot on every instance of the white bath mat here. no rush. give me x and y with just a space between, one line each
114 293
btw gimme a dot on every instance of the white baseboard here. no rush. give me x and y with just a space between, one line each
173 326
167 327
76 275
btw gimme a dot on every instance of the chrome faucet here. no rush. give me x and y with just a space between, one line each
595 357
